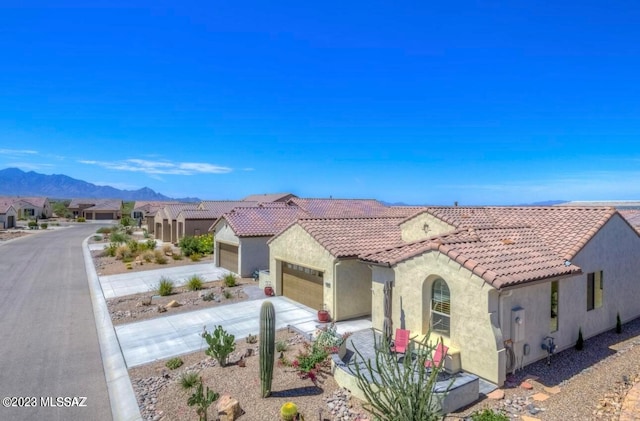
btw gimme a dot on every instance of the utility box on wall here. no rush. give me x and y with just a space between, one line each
517 324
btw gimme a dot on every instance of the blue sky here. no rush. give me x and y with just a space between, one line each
484 102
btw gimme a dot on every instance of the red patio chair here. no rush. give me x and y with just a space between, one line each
401 342
438 356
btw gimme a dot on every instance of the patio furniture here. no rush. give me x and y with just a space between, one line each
401 341
438 356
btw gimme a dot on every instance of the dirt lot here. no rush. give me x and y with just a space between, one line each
6 235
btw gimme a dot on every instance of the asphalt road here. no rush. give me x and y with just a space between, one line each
48 343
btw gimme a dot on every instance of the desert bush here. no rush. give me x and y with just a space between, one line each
123 252
167 249
281 346
194 283
97 238
111 249
174 363
165 287
134 246
189 379
229 280
81 219
148 256
145 233
202 244
202 400
104 230
32 225
221 344
177 256
44 226
160 257
119 237
195 257
489 415
227 294
151 244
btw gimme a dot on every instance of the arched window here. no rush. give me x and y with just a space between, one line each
440 308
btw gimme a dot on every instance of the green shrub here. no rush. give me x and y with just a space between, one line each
229 280
227 294
104 230
174 363
221 344
165 287
97 238
189 379
148 256
44 226
281 346
32 225
202 244
194 283
489 415
111 250
145 233
124 253
177 256
119 237
134 246
81 219
151 244
202 400
195 257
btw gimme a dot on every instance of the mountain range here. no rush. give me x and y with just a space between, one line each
15 182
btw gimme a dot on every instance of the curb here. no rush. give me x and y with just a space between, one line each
122 398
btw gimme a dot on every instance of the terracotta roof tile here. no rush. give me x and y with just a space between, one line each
262 221
501 256
268 197
172 211
198 214
341 208
106 204
351 237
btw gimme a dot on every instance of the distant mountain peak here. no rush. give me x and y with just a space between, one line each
15 182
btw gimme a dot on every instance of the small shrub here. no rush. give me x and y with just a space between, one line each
194 283
229 280
580 341
165 287
195 257
227 294
167 249
32 225
44 226
81 219
160 258
145 233
129 266
148 256
221 344
177 256
202 400
252 339
202 244
97 238
151 244
123 252
111 249
189 379
281 346
174 363
104 230
489 415
134 246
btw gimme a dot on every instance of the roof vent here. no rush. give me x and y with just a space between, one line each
508 241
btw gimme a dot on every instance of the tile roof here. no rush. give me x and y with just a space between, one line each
268 197
632 216
341 208
172 211
37 201
262 221
106 204
502 256
351 237
149 204
564 229
198 214
220 207
5 205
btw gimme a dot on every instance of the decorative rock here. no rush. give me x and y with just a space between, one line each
161 309
228 408
540 397
526 385
496 394
553 390
173 303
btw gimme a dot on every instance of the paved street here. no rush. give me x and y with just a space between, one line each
49 346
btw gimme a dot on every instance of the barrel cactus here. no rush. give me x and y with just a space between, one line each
288 411
267 346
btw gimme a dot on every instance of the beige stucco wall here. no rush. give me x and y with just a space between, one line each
193 227
414 228
253 255
295 245
474 308
352 290
223 233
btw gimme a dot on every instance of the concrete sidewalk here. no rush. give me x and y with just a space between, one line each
145 281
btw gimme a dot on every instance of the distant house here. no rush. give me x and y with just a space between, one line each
8 215
165 221
30 207
146 211
96 209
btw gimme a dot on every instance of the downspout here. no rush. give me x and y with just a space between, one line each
506 342
334 294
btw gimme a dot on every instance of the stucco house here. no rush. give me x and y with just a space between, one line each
8 215
241 236
30 207
497 283
165 221
96 209
146 210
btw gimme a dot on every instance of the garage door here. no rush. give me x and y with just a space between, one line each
228 257
302 284
104 215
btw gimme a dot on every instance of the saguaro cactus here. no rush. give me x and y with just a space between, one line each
267 346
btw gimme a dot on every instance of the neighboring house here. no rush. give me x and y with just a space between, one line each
77 206
340 208
315 262
165 221
8 215
632 216
104 209
269 197
146 210
241 236
30 207
191 222
497 283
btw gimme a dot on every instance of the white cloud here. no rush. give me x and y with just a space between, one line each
17 152
160 167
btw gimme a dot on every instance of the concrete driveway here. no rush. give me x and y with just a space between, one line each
135 282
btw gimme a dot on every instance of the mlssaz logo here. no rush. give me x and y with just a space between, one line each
63 401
